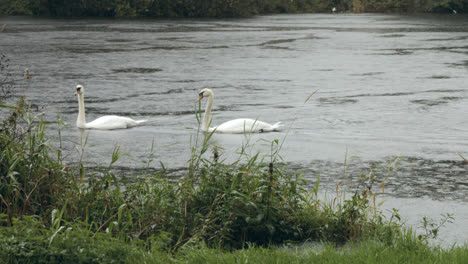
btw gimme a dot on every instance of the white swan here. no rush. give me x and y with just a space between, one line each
105 122
241 125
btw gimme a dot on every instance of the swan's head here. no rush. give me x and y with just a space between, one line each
204 93
79 89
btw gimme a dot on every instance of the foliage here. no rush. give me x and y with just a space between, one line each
380 6
31 180
432 228
219 8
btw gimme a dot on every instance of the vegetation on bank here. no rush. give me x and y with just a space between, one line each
220 8
254 200
53 212
30 242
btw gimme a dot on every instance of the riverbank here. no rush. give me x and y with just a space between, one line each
55 212
32 244
222 9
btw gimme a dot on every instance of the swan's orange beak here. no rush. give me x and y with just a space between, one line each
77 92
200 97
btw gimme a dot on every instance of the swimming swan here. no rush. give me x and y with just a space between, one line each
241 125
105 122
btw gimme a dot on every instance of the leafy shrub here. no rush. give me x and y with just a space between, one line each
31 180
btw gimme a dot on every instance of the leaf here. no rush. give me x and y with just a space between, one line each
119 217
316 188
259 217
55 234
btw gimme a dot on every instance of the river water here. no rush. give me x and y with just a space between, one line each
388 86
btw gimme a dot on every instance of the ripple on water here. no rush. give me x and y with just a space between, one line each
451 98
415 177
463 63
397 52
336 101
427 102
277 41
438 77
90 50
276 48
170 91
120 40
403 93
137 70
103 100
367 74
393 35
142 113
435 102
217 47
449 39
185 81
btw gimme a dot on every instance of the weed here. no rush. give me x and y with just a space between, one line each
431 228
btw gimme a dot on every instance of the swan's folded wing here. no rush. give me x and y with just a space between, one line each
111 122
245 125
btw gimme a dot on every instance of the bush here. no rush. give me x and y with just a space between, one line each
31 180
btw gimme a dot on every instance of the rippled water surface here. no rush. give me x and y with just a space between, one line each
389 86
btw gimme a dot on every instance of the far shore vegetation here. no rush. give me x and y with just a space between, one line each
221 8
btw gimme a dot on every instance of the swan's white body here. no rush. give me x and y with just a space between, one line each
244 125
105 122
236 126
110 122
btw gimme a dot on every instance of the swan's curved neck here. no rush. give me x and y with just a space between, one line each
207 117
81 121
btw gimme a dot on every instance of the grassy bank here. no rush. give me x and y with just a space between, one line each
53 212
222 8
28 241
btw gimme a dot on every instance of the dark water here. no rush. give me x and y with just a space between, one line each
389 86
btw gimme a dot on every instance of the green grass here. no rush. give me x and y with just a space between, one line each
370 251
28 241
